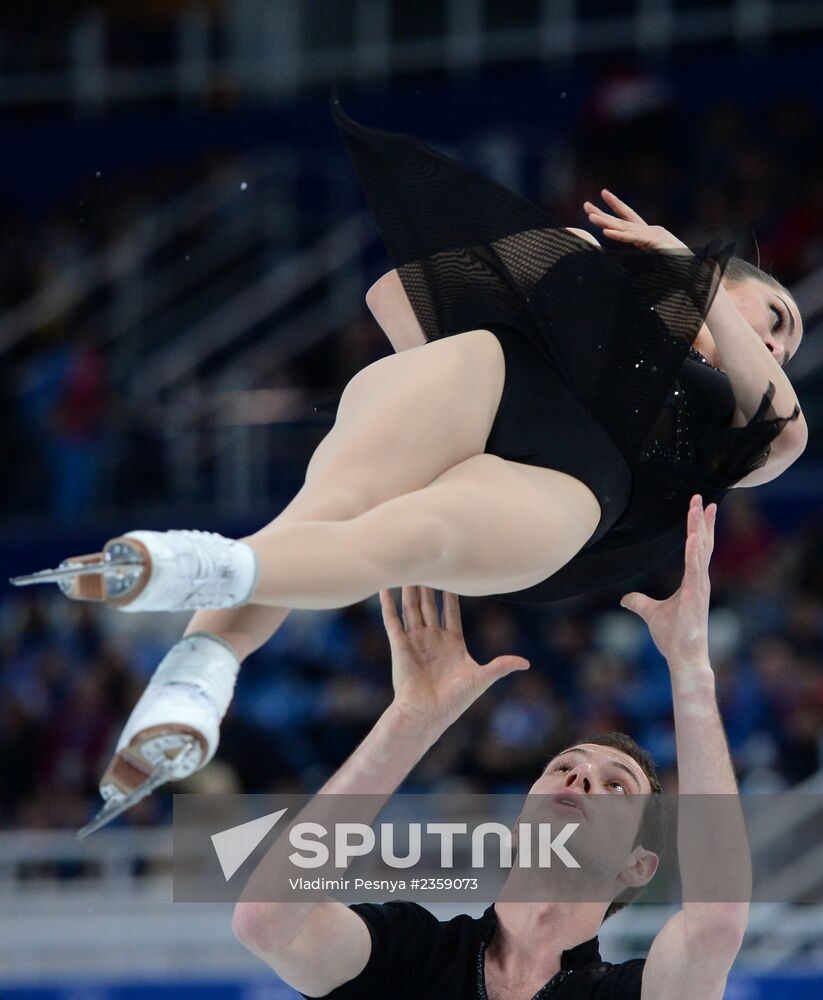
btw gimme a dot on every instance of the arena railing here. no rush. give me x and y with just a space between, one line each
259 48
194 278
118 265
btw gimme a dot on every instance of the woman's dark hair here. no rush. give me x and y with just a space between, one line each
652 830
739 270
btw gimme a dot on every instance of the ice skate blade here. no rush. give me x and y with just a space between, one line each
55 575
119 802
117 805
115 575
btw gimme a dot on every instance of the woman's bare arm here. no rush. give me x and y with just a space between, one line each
390 306
585 235
750 366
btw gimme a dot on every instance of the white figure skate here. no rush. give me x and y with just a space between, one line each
174 728
158 571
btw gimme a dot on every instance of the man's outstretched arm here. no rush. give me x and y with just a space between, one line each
316 947
692 954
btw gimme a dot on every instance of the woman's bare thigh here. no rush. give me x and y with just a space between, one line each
500 526
403 421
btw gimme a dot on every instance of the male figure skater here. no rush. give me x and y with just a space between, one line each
520 950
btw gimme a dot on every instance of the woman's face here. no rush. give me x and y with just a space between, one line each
772 314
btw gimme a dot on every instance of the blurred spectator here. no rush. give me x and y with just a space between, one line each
745 549
66 398
523 724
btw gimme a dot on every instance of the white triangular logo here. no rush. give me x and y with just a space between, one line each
234 845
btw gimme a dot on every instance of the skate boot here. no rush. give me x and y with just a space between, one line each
158 571
174 728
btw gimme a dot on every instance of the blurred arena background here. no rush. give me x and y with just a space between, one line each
183 265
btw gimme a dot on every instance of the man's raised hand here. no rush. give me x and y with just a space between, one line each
679 625
434 677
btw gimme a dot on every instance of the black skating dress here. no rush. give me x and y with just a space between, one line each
602 381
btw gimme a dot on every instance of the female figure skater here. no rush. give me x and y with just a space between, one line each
552 408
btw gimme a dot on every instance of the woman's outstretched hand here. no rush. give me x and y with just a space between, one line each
680 624
626 226
434 677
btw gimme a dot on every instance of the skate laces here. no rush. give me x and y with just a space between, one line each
195 690
206 566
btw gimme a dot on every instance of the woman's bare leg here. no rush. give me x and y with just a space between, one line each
485 526
401 422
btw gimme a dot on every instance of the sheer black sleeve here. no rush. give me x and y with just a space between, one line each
731 453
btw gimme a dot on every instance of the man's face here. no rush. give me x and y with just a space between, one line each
591 769
604 791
